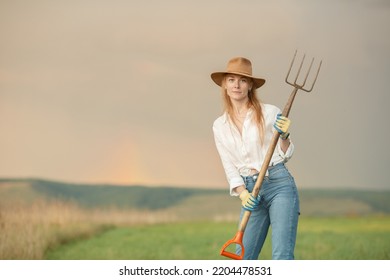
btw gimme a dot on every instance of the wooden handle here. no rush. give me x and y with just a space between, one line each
267 160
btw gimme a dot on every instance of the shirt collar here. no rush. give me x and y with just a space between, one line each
225 116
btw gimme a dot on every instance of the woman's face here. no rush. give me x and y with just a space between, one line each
237 86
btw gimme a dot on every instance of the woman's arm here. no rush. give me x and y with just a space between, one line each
284 144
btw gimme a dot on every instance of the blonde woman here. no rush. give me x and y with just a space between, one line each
242 136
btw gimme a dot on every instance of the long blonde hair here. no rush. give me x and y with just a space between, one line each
253 102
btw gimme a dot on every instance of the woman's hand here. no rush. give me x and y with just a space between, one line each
282 125
249 202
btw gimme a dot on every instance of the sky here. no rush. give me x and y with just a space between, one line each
119 92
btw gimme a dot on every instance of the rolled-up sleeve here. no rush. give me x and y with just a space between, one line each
288 154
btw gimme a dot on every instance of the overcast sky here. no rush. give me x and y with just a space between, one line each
120 91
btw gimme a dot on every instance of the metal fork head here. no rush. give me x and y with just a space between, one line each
295 83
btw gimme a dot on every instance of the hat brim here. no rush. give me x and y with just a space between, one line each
217 77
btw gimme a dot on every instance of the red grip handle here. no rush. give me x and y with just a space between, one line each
237 239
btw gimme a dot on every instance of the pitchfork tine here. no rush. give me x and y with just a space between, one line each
295 84
315 79
308 71
299 70
291 65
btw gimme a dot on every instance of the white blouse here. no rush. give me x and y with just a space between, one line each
242 152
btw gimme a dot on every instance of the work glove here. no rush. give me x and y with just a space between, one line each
248 201
281 125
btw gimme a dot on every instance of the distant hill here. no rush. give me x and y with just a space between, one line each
91 196
192 202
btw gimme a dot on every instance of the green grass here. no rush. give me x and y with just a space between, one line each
165 241
318 239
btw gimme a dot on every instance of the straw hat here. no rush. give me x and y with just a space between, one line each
239 66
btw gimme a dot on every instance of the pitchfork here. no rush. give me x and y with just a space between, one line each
237 239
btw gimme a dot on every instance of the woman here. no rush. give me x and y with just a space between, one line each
242 136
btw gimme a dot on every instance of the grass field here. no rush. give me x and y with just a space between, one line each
43 219
366 238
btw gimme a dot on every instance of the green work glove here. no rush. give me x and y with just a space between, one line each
281 125
249 202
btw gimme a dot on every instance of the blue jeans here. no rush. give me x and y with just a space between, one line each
279 208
